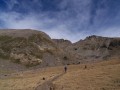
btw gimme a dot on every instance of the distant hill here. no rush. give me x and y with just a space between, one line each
94 48
31 48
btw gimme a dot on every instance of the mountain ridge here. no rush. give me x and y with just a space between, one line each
32 47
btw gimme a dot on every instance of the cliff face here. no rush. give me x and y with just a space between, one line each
31 48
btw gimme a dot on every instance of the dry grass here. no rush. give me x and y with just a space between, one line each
6 71
98 76
28 80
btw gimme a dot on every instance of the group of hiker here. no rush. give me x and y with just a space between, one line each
65 68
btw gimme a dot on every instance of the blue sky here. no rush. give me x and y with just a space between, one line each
68 19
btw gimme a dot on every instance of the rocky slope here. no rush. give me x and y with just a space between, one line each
95 48
28 47
31 48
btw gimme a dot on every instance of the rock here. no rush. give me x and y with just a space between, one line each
43 78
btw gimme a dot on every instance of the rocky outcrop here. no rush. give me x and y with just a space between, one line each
28 60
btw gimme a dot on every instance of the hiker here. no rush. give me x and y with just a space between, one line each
85 66
65 68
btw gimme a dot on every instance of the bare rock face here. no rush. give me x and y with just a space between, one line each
62 43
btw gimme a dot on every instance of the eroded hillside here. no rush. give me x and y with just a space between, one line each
92 49
28 47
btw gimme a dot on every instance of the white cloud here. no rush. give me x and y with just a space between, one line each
109 32
62 31
16 20
71 22
62 26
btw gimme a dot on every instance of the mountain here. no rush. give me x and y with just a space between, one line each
95 48
28 47
32 47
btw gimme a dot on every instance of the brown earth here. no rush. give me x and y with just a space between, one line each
97 76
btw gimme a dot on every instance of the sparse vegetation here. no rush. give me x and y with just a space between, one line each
5 38
104 76
16 61
4 56
99 76
22 45
75 48
65 58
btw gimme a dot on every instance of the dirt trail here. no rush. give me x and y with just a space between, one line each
48 85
